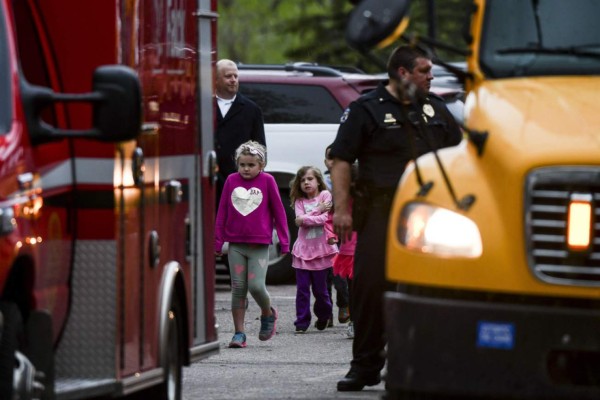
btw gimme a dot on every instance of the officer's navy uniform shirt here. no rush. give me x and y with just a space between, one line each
374 131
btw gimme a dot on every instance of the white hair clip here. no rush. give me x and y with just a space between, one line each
250 149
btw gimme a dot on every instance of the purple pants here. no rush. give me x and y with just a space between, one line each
322 307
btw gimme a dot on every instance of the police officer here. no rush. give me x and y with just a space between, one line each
383 132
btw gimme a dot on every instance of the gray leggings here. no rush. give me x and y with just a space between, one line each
248 265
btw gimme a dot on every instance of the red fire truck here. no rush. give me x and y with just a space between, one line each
106 195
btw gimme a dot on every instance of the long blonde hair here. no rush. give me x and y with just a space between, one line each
295 187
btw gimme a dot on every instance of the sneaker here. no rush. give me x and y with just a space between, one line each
350 332
330 322
238 341
301 330
343 315
268 326
321 324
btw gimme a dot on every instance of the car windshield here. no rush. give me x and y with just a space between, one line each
540 37
5 83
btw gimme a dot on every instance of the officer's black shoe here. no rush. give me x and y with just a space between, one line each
354 382
321 324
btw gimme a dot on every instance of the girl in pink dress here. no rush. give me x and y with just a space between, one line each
312 253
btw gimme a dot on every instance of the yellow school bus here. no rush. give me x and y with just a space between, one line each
497 266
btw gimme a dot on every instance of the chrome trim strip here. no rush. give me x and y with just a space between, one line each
203 351
142 380
100 171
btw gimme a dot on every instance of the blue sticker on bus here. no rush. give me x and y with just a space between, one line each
496 335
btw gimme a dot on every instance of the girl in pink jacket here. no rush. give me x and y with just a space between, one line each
312 253
248 209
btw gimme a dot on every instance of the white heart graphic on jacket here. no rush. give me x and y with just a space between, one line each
246 201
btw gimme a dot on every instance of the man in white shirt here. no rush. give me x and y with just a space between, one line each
239 119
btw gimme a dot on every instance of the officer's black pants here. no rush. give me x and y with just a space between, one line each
368 286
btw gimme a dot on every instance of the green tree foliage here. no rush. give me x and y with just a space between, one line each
280 31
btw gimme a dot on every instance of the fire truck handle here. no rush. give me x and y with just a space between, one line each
212 167
173 191
150 128
25 180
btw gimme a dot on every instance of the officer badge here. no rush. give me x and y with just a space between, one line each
389 119
344 116
428 110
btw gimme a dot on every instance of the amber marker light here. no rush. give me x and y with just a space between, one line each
579 221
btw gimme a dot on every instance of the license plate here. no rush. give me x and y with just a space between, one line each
496 335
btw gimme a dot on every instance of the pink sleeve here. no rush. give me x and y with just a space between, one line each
314 218
299 208
278 211
329 231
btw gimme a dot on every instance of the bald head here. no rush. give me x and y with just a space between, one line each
226 84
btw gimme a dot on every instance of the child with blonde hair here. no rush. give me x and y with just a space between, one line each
312 253
249 207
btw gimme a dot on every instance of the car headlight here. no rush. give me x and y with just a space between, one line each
429 229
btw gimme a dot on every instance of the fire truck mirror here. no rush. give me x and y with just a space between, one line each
118 115
376 23
116 102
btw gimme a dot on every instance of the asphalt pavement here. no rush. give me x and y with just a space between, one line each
288 366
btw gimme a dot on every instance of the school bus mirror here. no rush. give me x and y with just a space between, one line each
376 23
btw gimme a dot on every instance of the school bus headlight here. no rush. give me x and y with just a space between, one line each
435 230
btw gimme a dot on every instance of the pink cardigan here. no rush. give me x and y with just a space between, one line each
248 210
311 251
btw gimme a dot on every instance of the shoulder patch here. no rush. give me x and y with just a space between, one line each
344 116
